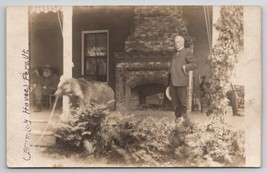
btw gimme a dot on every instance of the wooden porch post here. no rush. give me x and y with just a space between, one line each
190 88
67 51
190 92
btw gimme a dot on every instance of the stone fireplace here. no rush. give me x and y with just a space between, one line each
139 76
142 69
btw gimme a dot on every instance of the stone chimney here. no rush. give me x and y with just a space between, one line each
155 28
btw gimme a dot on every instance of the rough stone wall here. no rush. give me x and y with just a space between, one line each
155 28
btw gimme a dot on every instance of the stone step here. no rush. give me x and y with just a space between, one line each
39 121
39 132
48 138
40 125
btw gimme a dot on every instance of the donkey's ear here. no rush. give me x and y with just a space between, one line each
76 88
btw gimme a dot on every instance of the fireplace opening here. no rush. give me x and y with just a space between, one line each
149 96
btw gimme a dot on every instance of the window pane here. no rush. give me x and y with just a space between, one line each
101 69
96 68
90 47
101 44
90 66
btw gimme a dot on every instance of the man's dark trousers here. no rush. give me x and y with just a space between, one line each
179 95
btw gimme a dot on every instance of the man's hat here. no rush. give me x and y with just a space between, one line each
167 92
47 67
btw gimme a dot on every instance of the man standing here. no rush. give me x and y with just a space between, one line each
181 63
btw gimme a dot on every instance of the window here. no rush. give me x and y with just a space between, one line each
95 55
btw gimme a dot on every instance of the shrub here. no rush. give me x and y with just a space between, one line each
151 141
83 128
160 142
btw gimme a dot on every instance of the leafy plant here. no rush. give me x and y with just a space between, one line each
223 58
82 129
153 142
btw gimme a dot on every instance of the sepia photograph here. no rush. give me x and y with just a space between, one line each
133 86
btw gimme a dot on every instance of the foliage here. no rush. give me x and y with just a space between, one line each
224 56
140 141
83 126
160 142
150 141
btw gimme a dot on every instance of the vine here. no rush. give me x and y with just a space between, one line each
223 58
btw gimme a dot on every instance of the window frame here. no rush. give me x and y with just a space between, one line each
82 50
